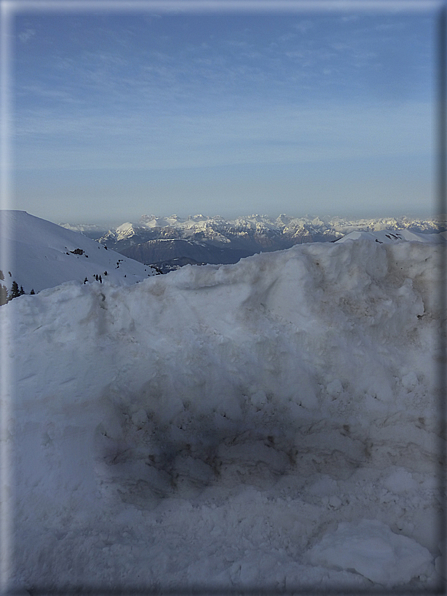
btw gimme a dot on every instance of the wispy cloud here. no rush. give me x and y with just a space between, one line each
154 96
26 35
303 26
142 141
349 18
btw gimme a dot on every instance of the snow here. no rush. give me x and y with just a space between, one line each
371 549
271 424
391 236
41 255
217 229
125 230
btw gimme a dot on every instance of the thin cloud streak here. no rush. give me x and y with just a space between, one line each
234 137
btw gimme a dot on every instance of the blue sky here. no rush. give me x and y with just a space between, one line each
117 114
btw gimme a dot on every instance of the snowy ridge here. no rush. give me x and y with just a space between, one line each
125 230
43 255
89 228
392 236
200 239
267 424
262 224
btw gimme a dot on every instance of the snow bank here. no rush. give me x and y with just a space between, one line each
231 425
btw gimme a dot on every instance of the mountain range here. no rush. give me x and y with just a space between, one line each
38 254
171 242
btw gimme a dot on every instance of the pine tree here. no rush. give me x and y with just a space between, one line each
32 291
2 277
15 292
21 291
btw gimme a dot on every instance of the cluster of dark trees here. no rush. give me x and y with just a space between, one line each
95 276
14 292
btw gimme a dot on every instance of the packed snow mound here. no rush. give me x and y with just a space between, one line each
230 426
38 254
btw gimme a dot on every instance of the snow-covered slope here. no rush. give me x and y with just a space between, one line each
392 236
38 254
271 424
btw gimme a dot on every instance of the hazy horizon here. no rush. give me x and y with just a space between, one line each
135 220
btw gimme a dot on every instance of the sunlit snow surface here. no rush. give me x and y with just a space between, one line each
267 424
42 255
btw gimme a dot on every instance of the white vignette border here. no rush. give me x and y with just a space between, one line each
8 10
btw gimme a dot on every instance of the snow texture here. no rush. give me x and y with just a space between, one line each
371 549
271 424
44 255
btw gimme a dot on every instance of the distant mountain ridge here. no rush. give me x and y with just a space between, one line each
170 242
